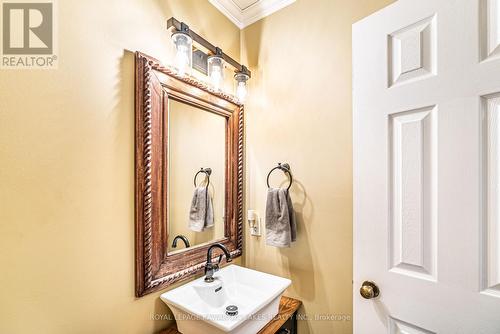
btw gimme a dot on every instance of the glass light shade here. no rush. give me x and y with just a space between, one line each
184 52
241 86
216 71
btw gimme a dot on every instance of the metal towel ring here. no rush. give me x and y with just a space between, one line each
207 172
286 169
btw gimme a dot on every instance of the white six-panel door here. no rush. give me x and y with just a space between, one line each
426 78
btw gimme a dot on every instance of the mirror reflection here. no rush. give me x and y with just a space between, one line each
196 180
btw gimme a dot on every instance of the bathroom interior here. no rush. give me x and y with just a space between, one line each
250 166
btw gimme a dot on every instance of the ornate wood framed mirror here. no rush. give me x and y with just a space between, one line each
183 127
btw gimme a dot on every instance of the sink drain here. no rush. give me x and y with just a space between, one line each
232 310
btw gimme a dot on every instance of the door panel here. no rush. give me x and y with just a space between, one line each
491 185
412 52
490 28
413 168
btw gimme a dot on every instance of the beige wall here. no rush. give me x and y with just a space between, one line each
299 111
67 169
196 139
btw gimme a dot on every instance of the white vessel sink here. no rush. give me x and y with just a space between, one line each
200 307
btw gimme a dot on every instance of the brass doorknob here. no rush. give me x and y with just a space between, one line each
369 290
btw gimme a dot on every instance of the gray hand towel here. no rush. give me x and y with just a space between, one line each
201 214
281 228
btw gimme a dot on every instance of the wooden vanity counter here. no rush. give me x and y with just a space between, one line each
288 307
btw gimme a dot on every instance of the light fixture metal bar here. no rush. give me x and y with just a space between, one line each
176 24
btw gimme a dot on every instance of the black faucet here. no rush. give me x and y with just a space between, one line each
211 268
183 238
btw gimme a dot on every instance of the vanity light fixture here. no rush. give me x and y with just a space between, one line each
184 49
183 37
241 78
216 69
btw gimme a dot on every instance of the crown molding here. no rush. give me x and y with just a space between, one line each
231 10
244 17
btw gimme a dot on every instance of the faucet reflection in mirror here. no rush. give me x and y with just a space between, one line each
184 240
